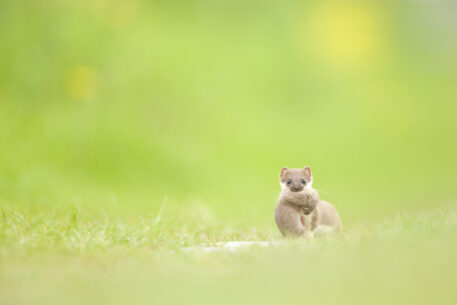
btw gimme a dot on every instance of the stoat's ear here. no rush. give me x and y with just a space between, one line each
308 174
282 176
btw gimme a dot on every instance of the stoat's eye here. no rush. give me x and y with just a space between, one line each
289 181
303 181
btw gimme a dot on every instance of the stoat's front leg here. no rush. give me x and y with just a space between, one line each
302 219
308 222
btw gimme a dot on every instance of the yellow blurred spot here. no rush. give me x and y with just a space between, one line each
81 82
123 12
116 13
345 34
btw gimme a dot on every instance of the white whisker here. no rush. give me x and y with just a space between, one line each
323 192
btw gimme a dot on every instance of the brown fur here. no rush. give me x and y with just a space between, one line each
298 199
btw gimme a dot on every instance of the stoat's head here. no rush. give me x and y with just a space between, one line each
295 179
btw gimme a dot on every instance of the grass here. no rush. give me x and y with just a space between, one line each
66 257
74 232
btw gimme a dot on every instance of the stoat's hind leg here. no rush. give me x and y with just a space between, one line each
326 231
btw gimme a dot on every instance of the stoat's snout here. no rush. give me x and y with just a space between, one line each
296 188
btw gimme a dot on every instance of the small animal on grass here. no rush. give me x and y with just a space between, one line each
300 212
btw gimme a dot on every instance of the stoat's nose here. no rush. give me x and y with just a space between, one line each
296 188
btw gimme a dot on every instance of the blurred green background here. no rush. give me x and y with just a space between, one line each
123 105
